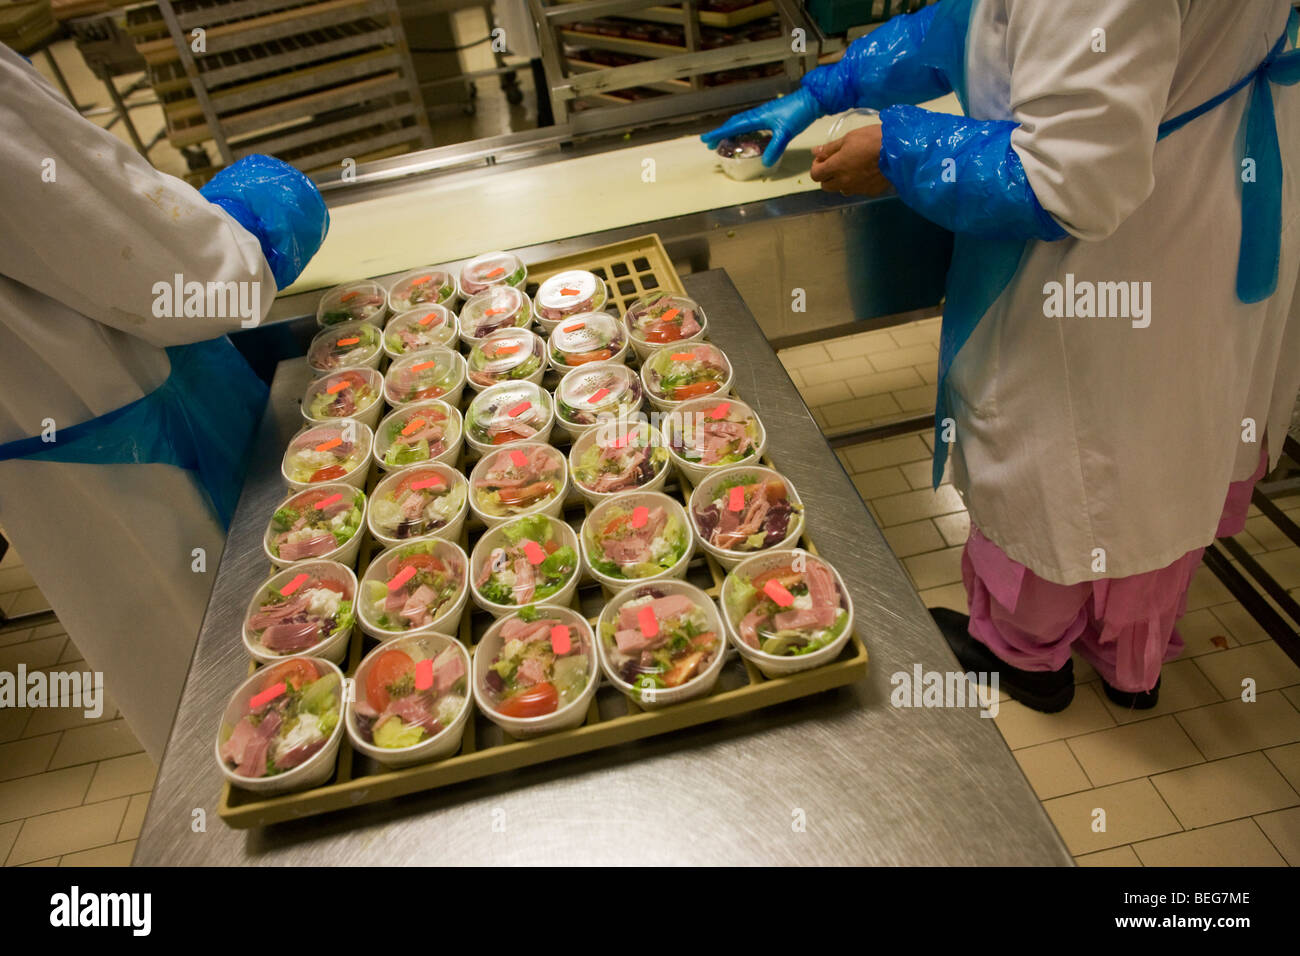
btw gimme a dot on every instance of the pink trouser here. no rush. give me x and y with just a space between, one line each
1123 627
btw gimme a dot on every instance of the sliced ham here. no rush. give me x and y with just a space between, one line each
395 601
631 641
489 566
531 671
821 586
232 751
293 548
298 755
254 762
525 581
749 627
277 613
799 619
516 629
416 609
669 606
448 667
689 324
289 638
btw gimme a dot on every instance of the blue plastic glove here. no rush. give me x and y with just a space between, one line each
278 205
983 192
786 117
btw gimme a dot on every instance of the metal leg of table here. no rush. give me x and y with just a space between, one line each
63 80
124 113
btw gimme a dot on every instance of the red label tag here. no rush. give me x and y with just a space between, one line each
560 642
736 499
401 577
683 356
669 315
353 340
533 551
720 412
423 365
519 409
777 592
640 515
424 674
492 312
597 395
322 505
293 585
518 458
649 623
434 482
428 318
332 443
414 425
575 327
338 386
499 270
621 441
266 696
505 350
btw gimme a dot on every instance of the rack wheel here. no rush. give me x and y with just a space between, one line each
510 84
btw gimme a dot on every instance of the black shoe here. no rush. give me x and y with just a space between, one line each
1044 691
1133 700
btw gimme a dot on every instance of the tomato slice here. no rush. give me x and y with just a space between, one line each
422 562
328 473
388 668
504 438
600 355
532 701
664 332
334 586
430 391
614 524
683 392
525 495
786 574
295 673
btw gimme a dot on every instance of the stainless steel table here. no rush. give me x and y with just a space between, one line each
873 784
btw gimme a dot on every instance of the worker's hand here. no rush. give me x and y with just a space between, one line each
786 117
851 164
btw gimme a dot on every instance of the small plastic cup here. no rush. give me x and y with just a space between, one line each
296 587
663 318
363 301
585 338
568 293
315 769
509 412
421 287
387 587
482 562
624 509
521 479
623 667
438 512
328 509
355 393
567 713
338 450
500 307
419 433
492 269
737 601
429 327
703 499
616 457
742 155
704 362
443 689
693 427
597 392
347 345
506 355
418 376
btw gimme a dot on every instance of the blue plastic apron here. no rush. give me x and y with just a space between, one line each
982 269
202 418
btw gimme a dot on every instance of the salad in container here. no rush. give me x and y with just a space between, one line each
507 355
414 588
618 456
509 412
501 307
411 700
637 536
421 329
677 373
663 318
348 393
597 392
737 511
742 154
492 269
281 730
525 561
587 337
535 671
419 501
708 433
661 643
364 301
787 611
307 608
419 433
335 451
347 345
421 287
430 373
569 293
325 522
523 479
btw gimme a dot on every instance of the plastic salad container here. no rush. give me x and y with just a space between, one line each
709 433
347 345
348 393
418 587
364 301
421 329
596 392
638 536
535 671
411 700
501 307
587 337
419 501
418 433
506 355
523 479
282 728
421 287
663 318
742 155
324 523
335 451
524 561
661 643
568 293
305 609
737 511
676 373
787 611
618 456
509 412
492 269
430 373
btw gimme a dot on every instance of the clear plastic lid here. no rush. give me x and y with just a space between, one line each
745 509
505 355
327 452
346 345
518 479
418 501
419 329
661 635
745 145
420 287
343 394
316 522
618 456
682 372
569 293
511 411
714 432
595 391
660 318
430 373
587 337
500 307
524 561
540 661
637 534
409 691
416 586
786 603
296 610
490 269
364 301
280 718
417 433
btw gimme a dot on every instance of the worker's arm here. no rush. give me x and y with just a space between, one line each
91 224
